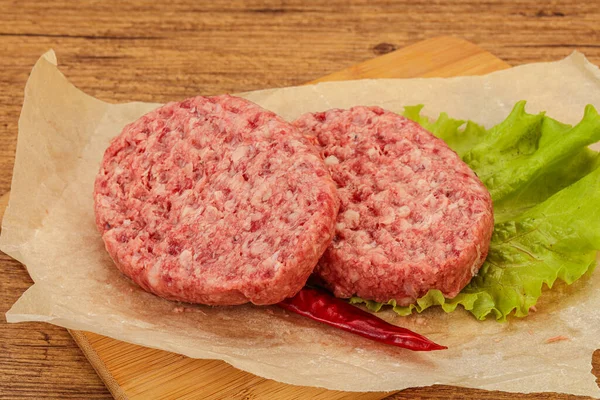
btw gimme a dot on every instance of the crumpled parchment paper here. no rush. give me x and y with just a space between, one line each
49 227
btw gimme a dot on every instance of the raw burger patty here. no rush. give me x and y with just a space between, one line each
215 201
413 216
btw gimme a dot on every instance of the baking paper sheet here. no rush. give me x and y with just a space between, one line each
49 227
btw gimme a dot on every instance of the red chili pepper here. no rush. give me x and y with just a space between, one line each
322 307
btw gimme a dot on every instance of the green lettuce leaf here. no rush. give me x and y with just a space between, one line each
545 184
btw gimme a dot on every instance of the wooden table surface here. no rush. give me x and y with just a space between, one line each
160 51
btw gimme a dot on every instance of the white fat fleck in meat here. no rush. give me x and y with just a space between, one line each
229 205
292 217
218 197
332 160
272 262
425 223
475 266
369 246
211 214
381 197
160 189
258 248
403 212
387 216
154 273
239 153
405 225
185 259
353 276
295 144
275 255
256 216
261 193
351 218
266 194
372 153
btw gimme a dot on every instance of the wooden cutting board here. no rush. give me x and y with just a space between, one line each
135 372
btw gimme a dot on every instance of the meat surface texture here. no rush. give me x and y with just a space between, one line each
413 216
215 200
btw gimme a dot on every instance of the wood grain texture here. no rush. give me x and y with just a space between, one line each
3 204
142 373
159 51
444 56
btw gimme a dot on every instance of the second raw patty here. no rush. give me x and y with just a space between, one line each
413 215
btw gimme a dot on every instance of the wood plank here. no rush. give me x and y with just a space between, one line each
443 57
141 373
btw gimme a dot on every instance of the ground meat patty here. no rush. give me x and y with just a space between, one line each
413 216
215 201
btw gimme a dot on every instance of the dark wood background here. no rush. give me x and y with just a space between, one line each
166 50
